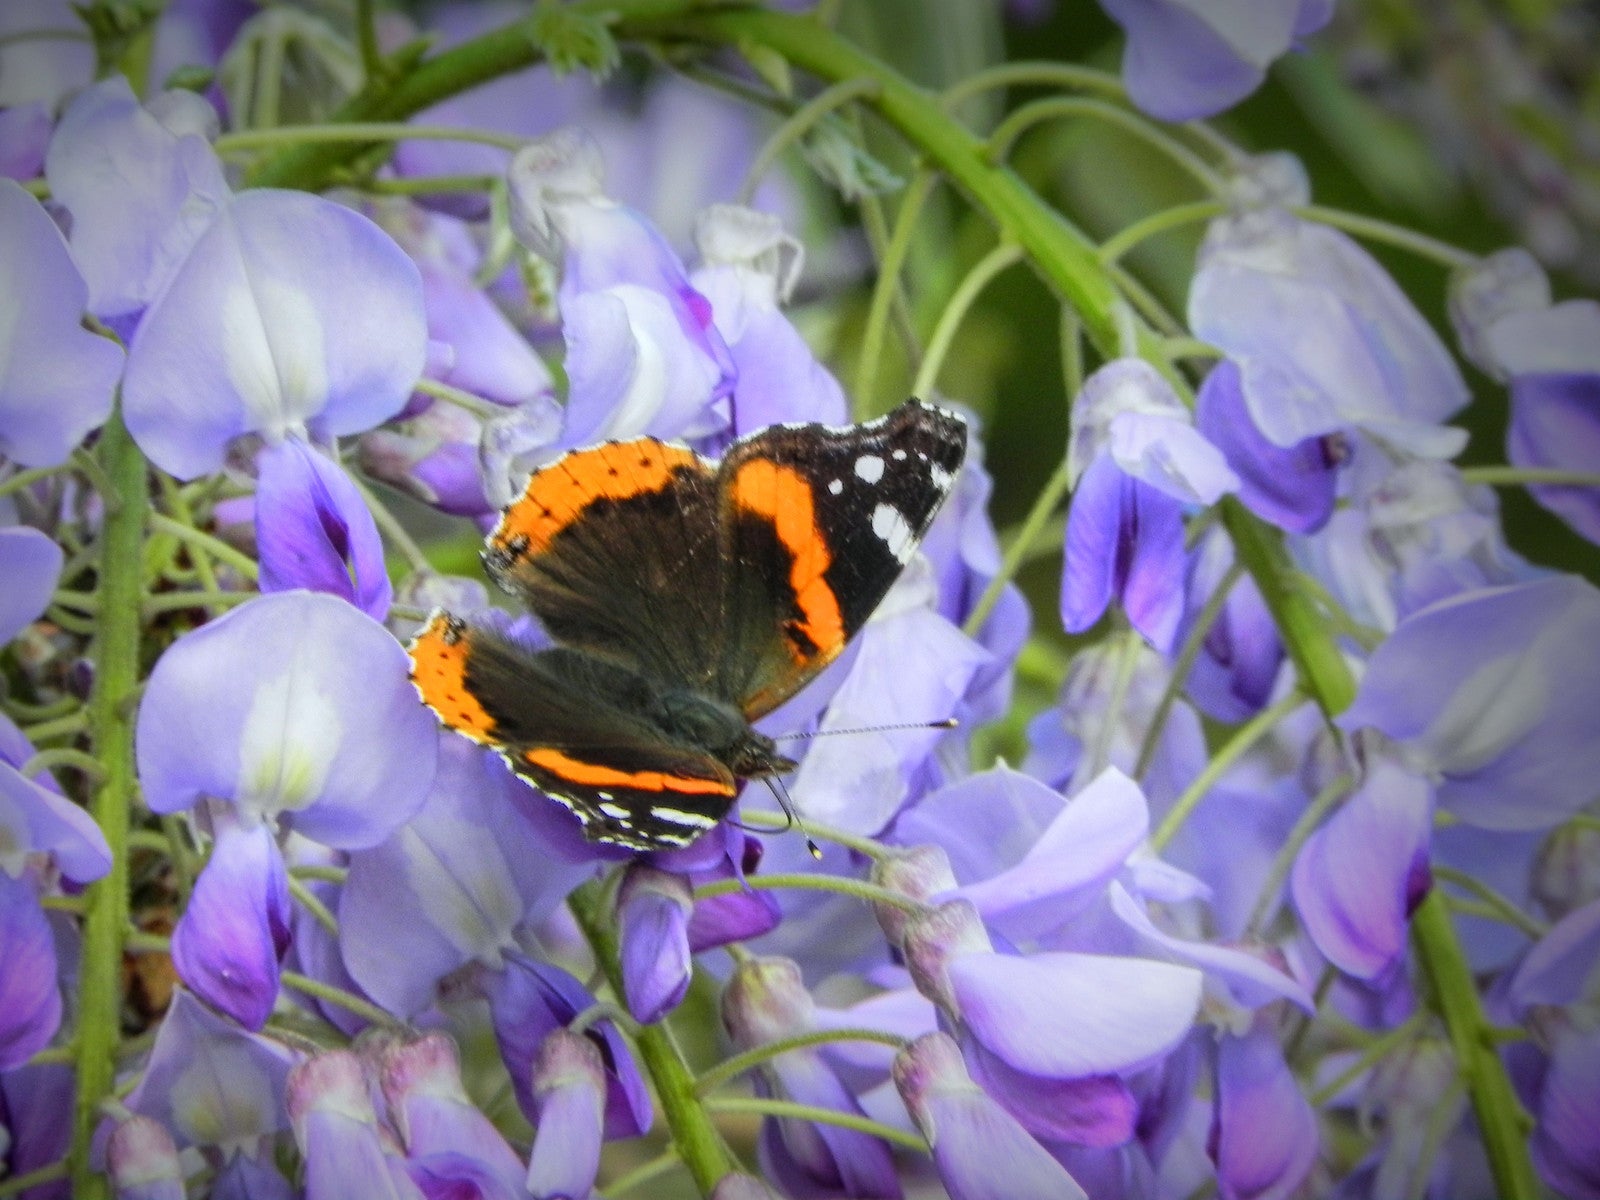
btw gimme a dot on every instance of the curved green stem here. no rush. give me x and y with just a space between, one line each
1031 74
345 1000
870 892
887 286
1376 230
798 124
697 1141
1522 476
365 133
1176 217
955 311
1053 108
824 1116
111 717
740 1063
1283 862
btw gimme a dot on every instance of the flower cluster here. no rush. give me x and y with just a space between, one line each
1294 891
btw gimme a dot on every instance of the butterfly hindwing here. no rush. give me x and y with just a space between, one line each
577 726
818 523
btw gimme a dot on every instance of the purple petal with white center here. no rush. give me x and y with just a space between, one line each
35 818
1563 1144
30 996
630 371
1086 1110
527 1000
56 378
141 194
652 919
569 1082
435 1118
229 941
1015 808
1294 487
42 69
1186 59
338 1133
1359 877
1067 1015
1485 689
30 563
314 531
1560 969
484 857
969 1133
1249 980
1070 864
209 1081
1264 1136
913 663
291 314
294 704
1324 338
142 1161
1555 423
24 134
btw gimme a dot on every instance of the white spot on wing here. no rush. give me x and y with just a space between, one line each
869 467
614 810
900 455
677 816
835 487
890 524
942 479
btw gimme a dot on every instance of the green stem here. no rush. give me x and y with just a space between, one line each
693 1133
644 1173
1377 230
823 1116
111 719
1055 107
1502 1123
1017 553
1031 74
733 1067
17 1184
888 286
215 547
360 133
955 311
1379 1049
345 1000
1246 736
1176 217
1497 476
1283 861
1501 908
26 479
870 892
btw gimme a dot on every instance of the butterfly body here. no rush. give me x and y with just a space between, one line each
687 599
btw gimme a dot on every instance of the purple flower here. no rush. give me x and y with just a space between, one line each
24 134
447 1139
1359 878
528 1000
254 333
142 1161
764 1001
1190 58
56 377
750 267
44 69
142 185
338 1133
642 353
210 1082
1485 692
1550 355
35 818
1050 1035
1137 461
653 910
36 1123
486 859
1294 487
314 531
569 1086
970 1135
1323 338
1241 655
30 563
1264 1137
30 995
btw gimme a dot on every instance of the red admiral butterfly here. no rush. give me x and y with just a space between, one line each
687 599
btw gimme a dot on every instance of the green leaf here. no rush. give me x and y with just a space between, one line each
574 40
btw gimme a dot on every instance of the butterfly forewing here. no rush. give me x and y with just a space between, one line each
818 523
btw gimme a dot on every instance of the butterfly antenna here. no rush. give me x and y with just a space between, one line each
791 817
944 723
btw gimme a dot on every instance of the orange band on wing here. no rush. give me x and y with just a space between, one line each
575 770
558 493
439 673
781 495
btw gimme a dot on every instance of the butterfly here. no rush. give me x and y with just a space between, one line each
686 598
